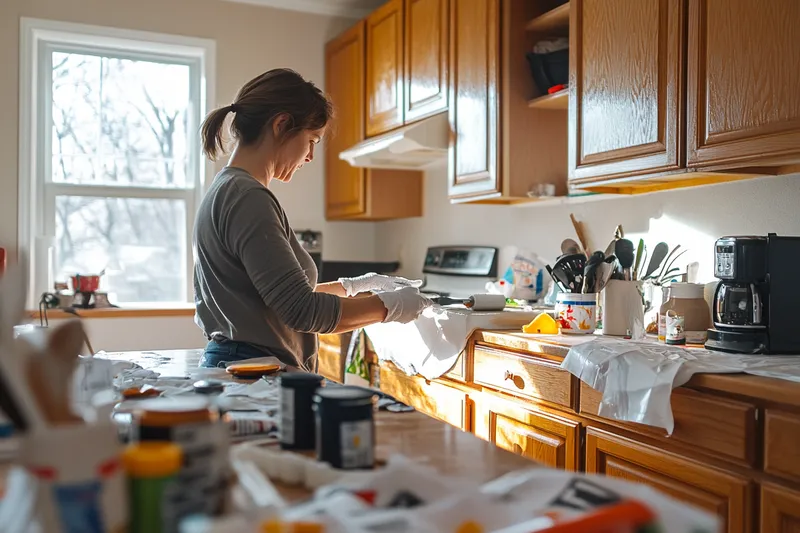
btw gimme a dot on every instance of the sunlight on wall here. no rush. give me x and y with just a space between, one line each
698 245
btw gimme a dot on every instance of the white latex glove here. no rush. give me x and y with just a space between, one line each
376 282
403 305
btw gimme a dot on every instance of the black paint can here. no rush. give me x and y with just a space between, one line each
345 427
297 427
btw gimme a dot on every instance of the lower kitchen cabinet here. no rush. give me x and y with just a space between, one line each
780 509
548 439
446 402
725 494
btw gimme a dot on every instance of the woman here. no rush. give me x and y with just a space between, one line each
255 287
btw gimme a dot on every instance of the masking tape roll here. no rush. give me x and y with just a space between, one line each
488 302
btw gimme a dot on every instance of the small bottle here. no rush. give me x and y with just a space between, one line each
662 315
151 469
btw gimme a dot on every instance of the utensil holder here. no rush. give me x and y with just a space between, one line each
623 310
576 313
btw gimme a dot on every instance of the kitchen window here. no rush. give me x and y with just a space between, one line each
111 169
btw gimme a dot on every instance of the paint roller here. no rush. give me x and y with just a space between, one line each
476 302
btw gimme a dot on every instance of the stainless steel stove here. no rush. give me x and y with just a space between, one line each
459 271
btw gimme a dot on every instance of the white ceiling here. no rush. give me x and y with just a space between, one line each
341 8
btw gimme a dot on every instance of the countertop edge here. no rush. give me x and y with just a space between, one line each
768 390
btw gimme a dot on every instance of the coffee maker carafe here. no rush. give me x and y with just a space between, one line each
753 302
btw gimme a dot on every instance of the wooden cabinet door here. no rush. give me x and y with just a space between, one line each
626 87
345 190
385 68
548 439
780 509
474 99
448 404
427 37
723 493
743 82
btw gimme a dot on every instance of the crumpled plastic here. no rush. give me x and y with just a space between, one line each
636 378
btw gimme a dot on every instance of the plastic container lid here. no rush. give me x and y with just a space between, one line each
686 290
346 395
152 459
205 386
170 411
300 379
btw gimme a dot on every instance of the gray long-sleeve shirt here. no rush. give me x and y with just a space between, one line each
253 281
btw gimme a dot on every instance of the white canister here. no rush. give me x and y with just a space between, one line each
623 310
576 313
80 483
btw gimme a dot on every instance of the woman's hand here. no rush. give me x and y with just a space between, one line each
403 305
376 282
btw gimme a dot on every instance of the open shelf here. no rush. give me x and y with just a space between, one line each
559 100
551 22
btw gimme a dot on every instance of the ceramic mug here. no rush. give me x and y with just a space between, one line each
576 313
80 483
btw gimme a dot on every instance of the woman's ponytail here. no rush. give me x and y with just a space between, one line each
211 132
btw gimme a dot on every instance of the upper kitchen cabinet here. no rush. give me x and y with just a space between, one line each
353 193
344 82
385 93
501 150
743 83
626 98
427 24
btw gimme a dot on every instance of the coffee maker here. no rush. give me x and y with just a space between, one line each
755 303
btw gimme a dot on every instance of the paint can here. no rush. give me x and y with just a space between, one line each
345 427
297 427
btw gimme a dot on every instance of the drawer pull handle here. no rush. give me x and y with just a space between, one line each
516 380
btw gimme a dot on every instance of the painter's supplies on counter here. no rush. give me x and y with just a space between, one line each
297 427
684 318
204 438
576 313
152 469
345 427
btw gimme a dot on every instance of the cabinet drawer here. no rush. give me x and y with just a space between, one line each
726 494
781 449
435 399
709 423
523 376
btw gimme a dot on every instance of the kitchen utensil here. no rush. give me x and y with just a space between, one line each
581 235
590 272
659 253
625 256
639 253
619 233
604 272
85 283
562 283
476 302
569 246
569 269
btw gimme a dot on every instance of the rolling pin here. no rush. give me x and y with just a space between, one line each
476 302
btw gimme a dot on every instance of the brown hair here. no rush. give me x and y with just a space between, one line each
260 102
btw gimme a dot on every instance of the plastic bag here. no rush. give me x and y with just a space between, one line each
528 275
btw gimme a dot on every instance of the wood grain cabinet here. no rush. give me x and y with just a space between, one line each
355 193
626 91
780 509
723 493
426 59
743 82
551 440
385 68
500 148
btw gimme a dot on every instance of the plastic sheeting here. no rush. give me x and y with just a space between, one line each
636 378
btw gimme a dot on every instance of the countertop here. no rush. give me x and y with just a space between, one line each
415 435
769 390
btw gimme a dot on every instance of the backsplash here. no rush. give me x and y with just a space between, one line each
693 218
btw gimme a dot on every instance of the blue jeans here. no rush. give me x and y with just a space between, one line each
219 352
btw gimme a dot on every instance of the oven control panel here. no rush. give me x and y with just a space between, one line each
461 261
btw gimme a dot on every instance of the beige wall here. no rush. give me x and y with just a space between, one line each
249 40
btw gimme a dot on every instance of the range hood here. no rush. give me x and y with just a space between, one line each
417 146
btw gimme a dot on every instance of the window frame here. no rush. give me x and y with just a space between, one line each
37 194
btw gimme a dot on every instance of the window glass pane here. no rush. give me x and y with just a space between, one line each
139 242
119 121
